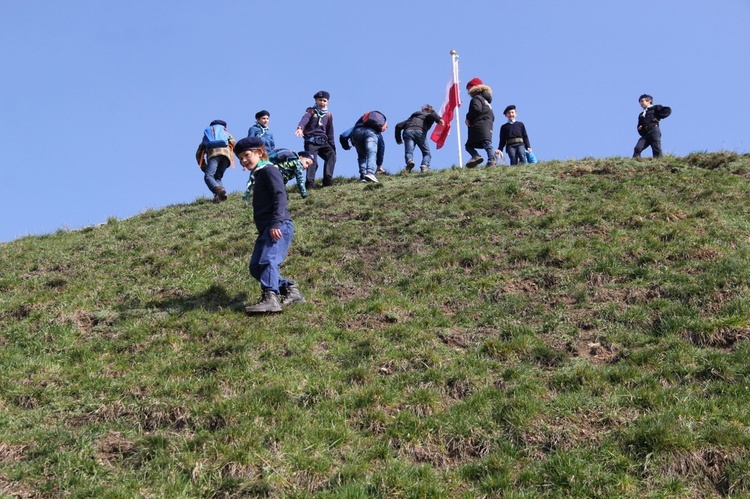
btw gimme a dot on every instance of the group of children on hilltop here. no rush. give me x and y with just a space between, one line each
271 168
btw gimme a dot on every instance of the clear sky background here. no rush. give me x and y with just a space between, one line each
103 102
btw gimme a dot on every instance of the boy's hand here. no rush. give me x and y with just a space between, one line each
275 234
298 132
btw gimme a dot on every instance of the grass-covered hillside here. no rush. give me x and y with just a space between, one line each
565 329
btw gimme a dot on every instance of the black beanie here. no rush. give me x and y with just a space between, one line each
262 113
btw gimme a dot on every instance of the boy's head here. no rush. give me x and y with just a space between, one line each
645 100
510 112
305 158
219 122
263 117
250 150
321 99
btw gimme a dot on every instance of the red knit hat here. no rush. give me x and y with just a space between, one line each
473 83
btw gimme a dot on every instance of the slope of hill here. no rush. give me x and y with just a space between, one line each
564 329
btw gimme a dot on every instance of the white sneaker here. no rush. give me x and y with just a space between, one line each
371 178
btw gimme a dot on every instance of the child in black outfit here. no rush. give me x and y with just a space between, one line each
648 126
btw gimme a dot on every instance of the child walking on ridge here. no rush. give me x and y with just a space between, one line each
514 138
316 126
648 126
480 120
415 129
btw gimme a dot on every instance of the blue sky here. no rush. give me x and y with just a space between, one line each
103 102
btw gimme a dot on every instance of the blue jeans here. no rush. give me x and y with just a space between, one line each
487 146
516 153
365 142
267 257
213 171
416 137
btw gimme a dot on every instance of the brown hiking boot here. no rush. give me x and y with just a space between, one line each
290 296
474 162
268 304
409 166
221 194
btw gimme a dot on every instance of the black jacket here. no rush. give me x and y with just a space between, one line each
648 119
269 199
420 120
480 116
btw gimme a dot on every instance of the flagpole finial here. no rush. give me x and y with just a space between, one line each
453 52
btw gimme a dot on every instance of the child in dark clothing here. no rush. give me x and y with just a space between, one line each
480 120
514 138
415 130
275 229
648 126
316 126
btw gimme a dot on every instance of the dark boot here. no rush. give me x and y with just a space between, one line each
291 295
220 194
269 303
474 162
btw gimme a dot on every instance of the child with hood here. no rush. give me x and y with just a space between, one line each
480 119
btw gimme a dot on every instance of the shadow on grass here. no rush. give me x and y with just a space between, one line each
214 298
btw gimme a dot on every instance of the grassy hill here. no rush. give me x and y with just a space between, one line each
565 329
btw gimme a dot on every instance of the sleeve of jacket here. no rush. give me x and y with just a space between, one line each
475 109
253 131
400 128
199 154
305 119
380 156
300 177
344 139
503 137
661 112
279 196
526 142
330 132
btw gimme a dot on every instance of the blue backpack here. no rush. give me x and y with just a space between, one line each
215 136
281 155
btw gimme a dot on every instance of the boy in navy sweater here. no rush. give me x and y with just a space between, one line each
514 138
316 127
648 126
275 229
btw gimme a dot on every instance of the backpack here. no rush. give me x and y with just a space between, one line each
215 136
281 155
375 120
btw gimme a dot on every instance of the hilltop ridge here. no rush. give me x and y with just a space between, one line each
574 328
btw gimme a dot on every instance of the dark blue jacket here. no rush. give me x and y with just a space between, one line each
270 199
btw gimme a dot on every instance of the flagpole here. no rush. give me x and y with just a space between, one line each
454 61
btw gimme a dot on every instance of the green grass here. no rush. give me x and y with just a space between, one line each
567 329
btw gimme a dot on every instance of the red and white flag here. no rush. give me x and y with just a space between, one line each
452 101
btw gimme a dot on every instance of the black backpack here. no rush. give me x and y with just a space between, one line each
375 120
